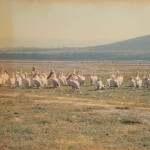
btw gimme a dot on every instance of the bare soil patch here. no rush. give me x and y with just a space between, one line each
109 109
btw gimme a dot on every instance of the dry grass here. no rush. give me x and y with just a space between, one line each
117 119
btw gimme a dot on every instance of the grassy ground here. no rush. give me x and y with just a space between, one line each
48 118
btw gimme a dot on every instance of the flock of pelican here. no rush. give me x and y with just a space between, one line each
74 79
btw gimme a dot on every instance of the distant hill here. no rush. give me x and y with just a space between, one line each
136 44
132 49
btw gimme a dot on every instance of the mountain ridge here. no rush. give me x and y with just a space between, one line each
132 49
133 42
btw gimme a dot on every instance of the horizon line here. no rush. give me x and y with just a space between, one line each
18 47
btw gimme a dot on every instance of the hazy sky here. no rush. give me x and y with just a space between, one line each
58 23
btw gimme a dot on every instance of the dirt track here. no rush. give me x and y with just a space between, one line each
107 108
